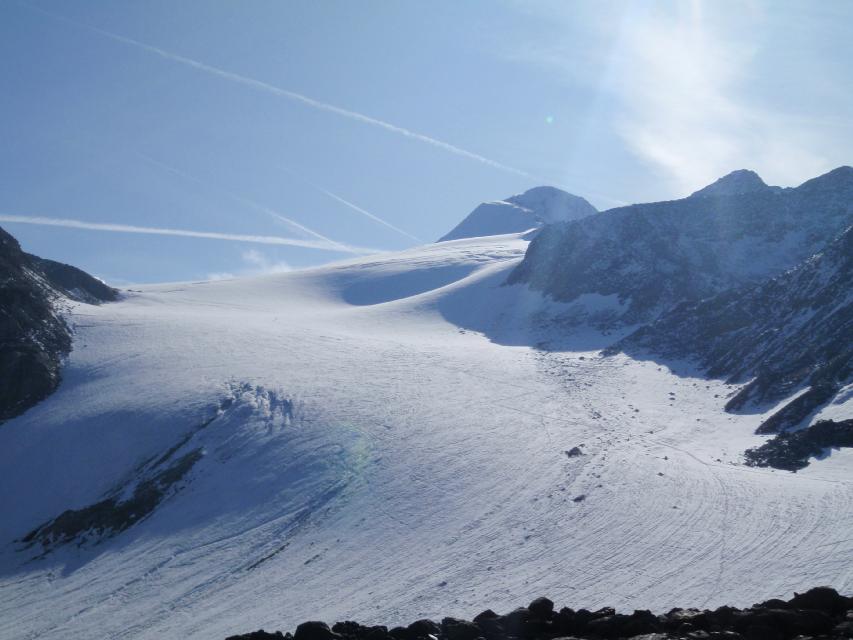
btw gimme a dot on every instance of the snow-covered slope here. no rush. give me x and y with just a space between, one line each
530 210
349 443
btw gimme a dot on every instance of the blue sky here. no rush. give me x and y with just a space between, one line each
295 133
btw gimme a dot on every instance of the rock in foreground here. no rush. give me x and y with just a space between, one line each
820 613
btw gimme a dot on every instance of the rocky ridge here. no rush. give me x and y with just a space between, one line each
34 337
792 332
736 232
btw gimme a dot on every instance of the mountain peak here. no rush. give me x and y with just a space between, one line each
553 204
732 184
532 209
838 177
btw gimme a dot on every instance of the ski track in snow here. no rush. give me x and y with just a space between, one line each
424 474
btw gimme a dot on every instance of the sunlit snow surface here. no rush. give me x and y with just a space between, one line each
394 449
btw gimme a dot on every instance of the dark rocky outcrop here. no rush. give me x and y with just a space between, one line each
791 451
818 614
314 630
137 496
73 282
114 514
33 335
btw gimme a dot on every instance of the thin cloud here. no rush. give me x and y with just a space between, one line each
684 86
352 206
241 199
257 264
260 264
186 233
291 95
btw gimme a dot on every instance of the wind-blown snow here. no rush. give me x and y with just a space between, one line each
392 448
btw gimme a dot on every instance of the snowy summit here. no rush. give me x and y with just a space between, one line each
530 210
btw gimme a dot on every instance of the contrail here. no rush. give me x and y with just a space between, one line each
352 206
238 198
292 95
209 235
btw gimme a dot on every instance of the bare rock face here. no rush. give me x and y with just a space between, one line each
33 335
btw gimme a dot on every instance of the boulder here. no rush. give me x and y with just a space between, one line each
513 623
844 629
782 623
488 614
376 632
773 603
423 629
623 626
348 628
314 630
399 633
258 635
820 598
541 609
456 629
566 622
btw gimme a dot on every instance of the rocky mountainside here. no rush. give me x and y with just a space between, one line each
733 233
33 335
72 282
794 331
532 209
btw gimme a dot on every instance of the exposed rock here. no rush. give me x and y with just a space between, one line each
541 608
820 613
114 514
455 629
314 630
258 635
824 599
792 331
623 626
73 282
791 451
34 338
844 629
423 629
488 614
